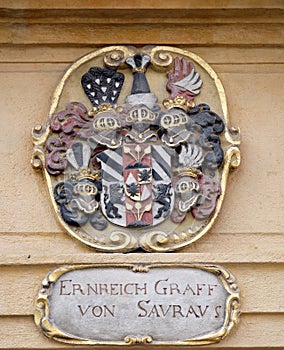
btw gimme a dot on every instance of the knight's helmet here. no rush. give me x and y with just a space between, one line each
140 92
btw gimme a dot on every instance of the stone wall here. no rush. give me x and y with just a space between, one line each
243 41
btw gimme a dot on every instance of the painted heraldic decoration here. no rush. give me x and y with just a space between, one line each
137 148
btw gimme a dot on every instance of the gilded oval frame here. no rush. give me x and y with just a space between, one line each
157 241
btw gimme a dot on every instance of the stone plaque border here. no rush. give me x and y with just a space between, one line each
232 312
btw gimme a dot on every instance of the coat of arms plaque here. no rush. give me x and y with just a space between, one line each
137 148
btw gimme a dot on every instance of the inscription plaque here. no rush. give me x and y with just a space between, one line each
181 304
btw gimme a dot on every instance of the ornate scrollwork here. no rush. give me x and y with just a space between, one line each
116 58
233 135
140 268
158 240
163 242
40 134
161 58
121 239
233 157
42 320
138 340
38 158
113 241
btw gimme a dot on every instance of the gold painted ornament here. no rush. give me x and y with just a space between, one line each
137 149
164 304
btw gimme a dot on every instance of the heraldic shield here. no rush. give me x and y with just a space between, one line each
137 148
136 185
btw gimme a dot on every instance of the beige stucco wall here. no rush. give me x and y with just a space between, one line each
243 41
